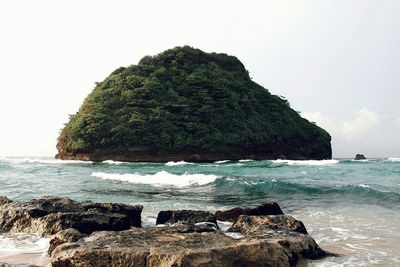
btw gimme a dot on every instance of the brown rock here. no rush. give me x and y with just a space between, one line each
4 200
64 236
279 223
179 246
48 215
231 215
185 217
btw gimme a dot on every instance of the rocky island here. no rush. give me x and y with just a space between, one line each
185 104
107 234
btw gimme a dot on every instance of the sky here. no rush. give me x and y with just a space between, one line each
336 61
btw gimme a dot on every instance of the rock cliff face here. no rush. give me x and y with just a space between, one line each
185 104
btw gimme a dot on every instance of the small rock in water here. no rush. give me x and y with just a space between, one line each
360 157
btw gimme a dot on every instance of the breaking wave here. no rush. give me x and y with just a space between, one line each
306 162
177 163
393 159
21 242
161 178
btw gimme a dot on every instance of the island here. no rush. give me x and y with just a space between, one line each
186 104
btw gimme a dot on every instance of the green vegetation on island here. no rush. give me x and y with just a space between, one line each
188 102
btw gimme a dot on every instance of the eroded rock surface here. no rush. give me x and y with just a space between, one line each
49 215
272 223
185 217
101 234
275 240
231 215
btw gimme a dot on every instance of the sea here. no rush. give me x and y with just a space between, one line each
351 208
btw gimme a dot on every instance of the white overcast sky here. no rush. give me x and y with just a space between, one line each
336 61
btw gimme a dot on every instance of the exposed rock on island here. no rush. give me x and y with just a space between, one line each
185 104
104 234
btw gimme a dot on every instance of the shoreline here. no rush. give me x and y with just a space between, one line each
35 258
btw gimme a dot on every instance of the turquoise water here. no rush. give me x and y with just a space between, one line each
349 207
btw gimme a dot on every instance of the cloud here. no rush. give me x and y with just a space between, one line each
359 126
355 128
321 120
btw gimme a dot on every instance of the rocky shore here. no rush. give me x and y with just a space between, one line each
106 234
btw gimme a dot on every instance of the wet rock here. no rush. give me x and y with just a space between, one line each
182 246
48 215
231 215
4 200
360 157
272 223
185 217
64 236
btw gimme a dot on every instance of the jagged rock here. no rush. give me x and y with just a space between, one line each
183 246
4 200
185 217
48 215
64 236
278 223
231 215
360 157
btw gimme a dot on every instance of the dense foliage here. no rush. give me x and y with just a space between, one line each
184 99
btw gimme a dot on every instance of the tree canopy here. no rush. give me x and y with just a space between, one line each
185 100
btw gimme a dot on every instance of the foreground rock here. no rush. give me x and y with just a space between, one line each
49 215
258 245
263 209
102 234
185 217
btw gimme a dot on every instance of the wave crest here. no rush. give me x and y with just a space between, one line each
393 159
177 163
161 178
306 162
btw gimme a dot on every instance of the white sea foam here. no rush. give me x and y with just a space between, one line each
161 178
113 162
177 163
393 159
234 235
224 225
222 161
21 161
364 186
245 160
307 162
23 243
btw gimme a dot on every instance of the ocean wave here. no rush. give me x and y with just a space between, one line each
161 178
221 161
22 242
21 161
177 163
362 192
306 162
393 159
246 160
113 162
